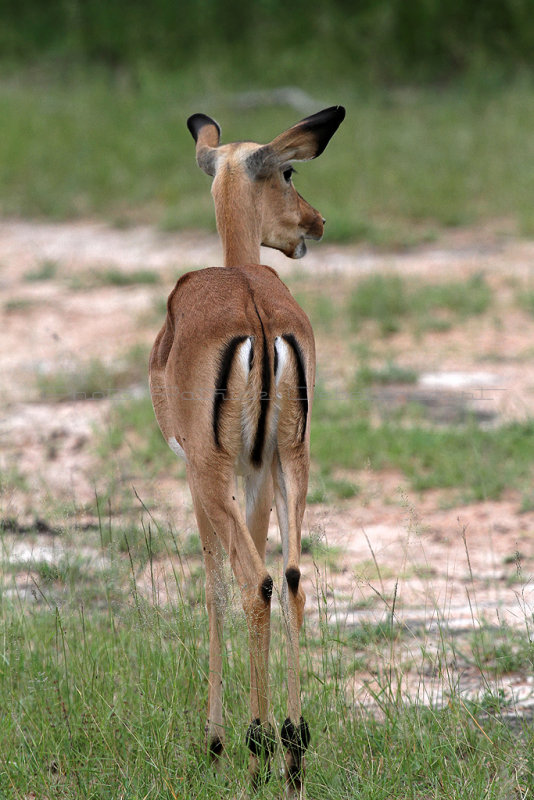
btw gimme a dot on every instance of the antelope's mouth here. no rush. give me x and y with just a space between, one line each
300 250
315 236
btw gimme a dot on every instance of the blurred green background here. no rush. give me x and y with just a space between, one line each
94 96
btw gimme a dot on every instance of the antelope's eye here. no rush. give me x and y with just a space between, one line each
288 173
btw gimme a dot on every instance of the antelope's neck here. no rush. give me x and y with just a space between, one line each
239 222
240 249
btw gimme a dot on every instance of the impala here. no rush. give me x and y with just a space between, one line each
231 376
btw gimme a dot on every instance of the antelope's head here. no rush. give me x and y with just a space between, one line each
255 199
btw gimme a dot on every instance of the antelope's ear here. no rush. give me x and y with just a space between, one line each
206 133
309 137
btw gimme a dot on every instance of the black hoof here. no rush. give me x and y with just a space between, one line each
295 738
294 778
261 743
215 747
293 579
267 589
260 739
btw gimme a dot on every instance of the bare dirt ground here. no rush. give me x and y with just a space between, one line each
425 558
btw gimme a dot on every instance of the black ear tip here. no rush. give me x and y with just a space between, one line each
323 125
331 116
197 121
335 113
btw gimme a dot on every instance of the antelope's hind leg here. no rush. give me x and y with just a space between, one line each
216 601
220 519
291 481
260 734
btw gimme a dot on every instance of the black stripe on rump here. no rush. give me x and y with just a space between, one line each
259 440
302 387
221 384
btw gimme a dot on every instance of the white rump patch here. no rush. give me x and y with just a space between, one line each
254 480
244 354
282 352
248 420
176 448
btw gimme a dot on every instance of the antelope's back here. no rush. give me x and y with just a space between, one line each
244 351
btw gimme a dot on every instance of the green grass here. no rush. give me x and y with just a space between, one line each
19 305
501 651
62 571
324 488
113 276
480 463
106 688
108 699
134 433
390 299
389 374
117 277
525 298
403 165
320 308
11 478
427 39
46 271
94 379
